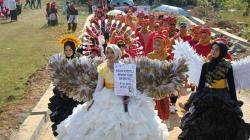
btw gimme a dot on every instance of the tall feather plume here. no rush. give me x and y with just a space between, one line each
100 25
105 24
241 70
123 24
112 23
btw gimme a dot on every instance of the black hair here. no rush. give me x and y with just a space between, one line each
72 45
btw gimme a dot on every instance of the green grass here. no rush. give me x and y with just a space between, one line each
26 46
237 16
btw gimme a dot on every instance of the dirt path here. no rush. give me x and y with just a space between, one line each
12 116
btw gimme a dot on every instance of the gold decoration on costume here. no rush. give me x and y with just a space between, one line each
67 38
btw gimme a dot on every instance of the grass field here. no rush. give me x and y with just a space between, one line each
25 47
237 16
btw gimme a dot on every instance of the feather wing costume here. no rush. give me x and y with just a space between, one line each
241 68
78 77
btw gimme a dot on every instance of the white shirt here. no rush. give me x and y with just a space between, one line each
11 5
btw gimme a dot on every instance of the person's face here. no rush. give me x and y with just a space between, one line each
215 51
196 35
110 55
157 44
130 13
157 27
183 29
204 35
151 18
68 51
172 26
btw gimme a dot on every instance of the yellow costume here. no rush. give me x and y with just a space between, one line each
106 74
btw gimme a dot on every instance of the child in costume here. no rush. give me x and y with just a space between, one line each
213 112
161 54
60 105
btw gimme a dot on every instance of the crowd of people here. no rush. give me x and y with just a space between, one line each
212 112
10 8
33 4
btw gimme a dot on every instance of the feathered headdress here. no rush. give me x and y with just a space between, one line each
69 38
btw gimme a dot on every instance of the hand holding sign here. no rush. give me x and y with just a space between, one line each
125 82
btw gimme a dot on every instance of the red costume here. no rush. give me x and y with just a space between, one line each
172 27
149 46
195 35
161 54
204 46
144 32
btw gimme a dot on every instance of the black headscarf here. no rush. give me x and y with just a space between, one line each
223 53
72 46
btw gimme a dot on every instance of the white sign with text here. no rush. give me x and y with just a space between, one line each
125 79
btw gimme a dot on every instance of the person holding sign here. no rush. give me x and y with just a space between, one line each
104 118
160 53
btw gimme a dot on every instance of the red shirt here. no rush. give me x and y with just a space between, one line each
193 42
186 38
203 50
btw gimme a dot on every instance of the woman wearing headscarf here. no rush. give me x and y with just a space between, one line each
213 112
160 53
105 117
60 105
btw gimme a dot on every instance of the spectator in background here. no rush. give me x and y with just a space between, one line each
27 3
52 16
19 7
67 10
151 2
47 11
90 4
73 13
39 4
13 10
32 4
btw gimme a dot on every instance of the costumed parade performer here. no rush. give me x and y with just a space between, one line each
60 105
103 115
161 54
213 112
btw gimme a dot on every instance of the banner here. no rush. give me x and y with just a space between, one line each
125 79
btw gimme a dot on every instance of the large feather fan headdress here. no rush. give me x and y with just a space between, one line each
71 38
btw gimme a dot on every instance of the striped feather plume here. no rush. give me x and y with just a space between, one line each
77 78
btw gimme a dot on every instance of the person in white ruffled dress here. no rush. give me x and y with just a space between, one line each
104 118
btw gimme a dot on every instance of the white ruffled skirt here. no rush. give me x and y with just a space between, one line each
106 120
